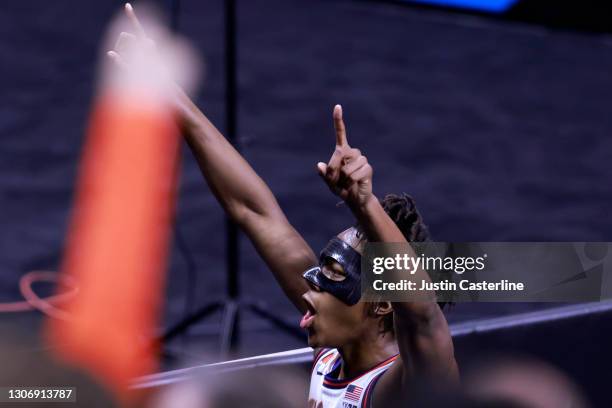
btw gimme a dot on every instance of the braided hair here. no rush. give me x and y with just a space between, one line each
402 210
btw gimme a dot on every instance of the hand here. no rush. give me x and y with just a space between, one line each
133 46
348 173
157 66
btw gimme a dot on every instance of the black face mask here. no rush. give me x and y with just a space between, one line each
348 289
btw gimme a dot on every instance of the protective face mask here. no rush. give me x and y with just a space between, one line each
348 289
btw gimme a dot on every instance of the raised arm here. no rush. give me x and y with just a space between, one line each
241 192
421 330
249 202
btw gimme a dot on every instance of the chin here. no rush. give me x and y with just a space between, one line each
315 341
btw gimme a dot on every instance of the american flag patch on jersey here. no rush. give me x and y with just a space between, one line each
353 392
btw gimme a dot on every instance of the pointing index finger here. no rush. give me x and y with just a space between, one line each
129 10
340 128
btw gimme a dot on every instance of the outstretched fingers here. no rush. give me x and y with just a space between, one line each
333 173
339 127
342 147
125 42
129 11
116 58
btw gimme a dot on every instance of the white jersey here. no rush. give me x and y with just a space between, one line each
327 391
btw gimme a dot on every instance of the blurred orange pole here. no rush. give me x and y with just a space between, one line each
118 241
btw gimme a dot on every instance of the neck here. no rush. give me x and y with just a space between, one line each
365 353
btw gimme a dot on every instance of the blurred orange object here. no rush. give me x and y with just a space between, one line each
118 240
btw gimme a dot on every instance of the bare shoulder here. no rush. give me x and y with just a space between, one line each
396 389
388 388
395 384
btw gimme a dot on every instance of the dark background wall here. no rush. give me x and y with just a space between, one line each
499 129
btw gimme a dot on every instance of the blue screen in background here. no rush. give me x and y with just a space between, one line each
491 6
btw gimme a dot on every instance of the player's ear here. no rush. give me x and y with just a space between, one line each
383 312
382 308
378 309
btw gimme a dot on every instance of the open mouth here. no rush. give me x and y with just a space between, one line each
310 314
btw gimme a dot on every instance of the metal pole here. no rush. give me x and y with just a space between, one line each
231 97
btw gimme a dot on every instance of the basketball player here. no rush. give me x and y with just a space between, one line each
365 353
